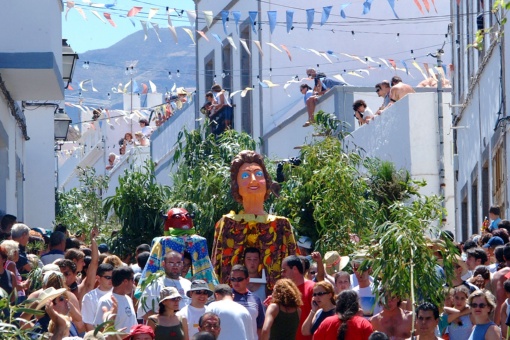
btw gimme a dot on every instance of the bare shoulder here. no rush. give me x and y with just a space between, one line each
494 332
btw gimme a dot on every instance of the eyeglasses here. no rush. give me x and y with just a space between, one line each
107 277
478 305
320 293
201 292
237 279
211 325
174 264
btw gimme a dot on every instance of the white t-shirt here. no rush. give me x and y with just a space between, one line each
367 301
192 315
147 130
150 296
126 316
89 305
236 322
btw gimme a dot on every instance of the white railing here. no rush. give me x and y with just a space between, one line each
133 159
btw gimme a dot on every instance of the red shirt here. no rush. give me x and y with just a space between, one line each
358 328
306 290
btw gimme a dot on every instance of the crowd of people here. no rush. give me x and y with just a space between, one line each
83 286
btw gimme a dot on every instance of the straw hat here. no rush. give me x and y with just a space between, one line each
333 262
181 90
460 262
168 293
49 294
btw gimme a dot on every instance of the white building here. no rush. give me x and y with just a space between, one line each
31 49
480 116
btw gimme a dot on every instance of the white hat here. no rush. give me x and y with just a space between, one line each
49 294
305 242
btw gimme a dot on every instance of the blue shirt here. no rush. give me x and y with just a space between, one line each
494 224
308 94
253 304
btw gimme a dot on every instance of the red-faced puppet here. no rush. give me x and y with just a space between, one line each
178 219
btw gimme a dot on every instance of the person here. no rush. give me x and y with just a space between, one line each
172 278
498 280
346 324
141 139
378 336
21 234
117 305
392 320
362 112
167 324
6 224
476 257
284 312
310 97
304 244
459 317
146 128
505 310
236 320
323 306
252 263
12 249
427 320
383 90
198 293
57 248
91 299
210 323
221 106
494 216
239 281
459 269
398 90
482 304
203 336
342 281
365 289
432 82
112 161
187 262
141 332
322 82
272 235
7 277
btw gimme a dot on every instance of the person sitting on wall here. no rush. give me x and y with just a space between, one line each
221 106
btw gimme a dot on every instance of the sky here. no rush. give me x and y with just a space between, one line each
90 34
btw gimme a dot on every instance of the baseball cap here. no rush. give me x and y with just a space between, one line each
103 248
494 241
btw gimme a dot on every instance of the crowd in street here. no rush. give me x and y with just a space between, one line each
83 285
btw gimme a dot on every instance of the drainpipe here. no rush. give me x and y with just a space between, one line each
442 183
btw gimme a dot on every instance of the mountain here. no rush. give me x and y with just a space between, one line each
107 68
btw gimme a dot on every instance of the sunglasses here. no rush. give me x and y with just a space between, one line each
478 305
107 277
59 299
377 90
237 279
313 272
176 299
320 293
201 292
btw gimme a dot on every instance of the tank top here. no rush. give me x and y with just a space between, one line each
18 276
320 318
168 332
480 330
6 281
285 326
460 332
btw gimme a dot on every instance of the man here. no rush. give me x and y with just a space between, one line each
239 279
494 213
383 90
198 293
57 248
304 244
6 225
112 161
77 256
427 319
236 320
393 320
322 82
292 268
172 264
252 263
398 90
117 304
498 281
20 234
142 248
365 289
490 246
91 299
476 257
459 269
211 323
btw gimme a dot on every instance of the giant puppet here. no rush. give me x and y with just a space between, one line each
253 226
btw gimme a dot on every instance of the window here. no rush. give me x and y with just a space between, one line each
499 178
485 189
464 218
246 81
209 71
474 207
226 56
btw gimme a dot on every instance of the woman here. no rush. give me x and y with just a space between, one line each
323 306
459 317
482 305
167 325
7 278
283 314
346 324
253 226
310 99
342 281
221 105
361 112
12 248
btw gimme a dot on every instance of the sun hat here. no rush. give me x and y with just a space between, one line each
305 242
333 262
168 293
199 285
49 294
142 329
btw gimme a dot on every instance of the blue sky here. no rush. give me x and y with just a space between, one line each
91 34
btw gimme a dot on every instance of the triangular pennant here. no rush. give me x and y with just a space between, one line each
245 91
144 26
202 34
392 62
152 13
253 19
132 21
310 13
426 67
287 51
156 29
434 4
190 33
98 16
192 17
415 64
154 89
289 18
417 2
392 5
168 14
231 41
269 83
427 5
81 12
237 18
245 46
208 16
70 4
325 14
274 46
224 19
109 18
385 62
174 33
339 77
134 11
405 66
342 12
326 57
271 16
217 37
366 6
259 46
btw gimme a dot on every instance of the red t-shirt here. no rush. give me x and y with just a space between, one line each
358 328
306 290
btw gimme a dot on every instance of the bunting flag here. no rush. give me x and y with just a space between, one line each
333 54
325 56
174 34
234 93
426 67
339 77
253 19
271 16
309 18
237 18
245 91
392 62
168 13
269 83
290 17
363 71
126 87
325 14
217 37
208 16
405 66
434 4
315 52
342 8
202 34
385 62
245 46
190 33
70 4
132 22
287 51
156 29
417 2
369 59
275 47
82 12
256 42
152 13
353 73
134 11
427 5
224 19
98 16
231 41
135 88
355 57
154 89
392 5
109 18
415 64
366 6
192 17
144 26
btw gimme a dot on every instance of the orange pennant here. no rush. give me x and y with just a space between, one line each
427 5
417 2
287 51
392 62
109 18
134 11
